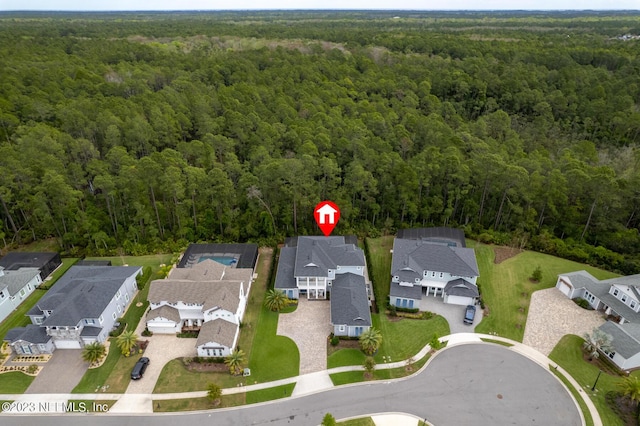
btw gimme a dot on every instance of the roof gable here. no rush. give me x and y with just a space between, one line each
349 301
316 255
419 256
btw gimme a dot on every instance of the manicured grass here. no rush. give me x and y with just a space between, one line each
506 289
14 382
568 355
379 265
345 357
362 421
392 373
404 338
185 404
17 317
234 400
272 357
176 378
583 406
270 394
96 377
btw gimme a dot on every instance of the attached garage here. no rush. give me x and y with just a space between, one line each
460 292
459 300
67 344
564 287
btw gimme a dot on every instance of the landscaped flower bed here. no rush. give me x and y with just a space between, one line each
31 370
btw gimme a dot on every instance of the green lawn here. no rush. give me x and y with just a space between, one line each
344 357
506 289
392 373
362 421
14 382
176 378
568 355
379 265
270 394
18 318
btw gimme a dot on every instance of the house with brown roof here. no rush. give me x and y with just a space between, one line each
208 296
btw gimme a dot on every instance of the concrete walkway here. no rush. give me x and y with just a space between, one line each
316 382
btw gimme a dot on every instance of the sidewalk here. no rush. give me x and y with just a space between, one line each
312 383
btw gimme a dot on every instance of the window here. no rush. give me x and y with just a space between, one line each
341 328
37 320
90 321
433 273
615 292
633 304
441 274
624 298
398 302
119 309
42 347
2 296
113 315
118 294
126 297
101 319
23 292
29 286
411 303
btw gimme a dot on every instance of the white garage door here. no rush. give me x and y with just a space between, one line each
564 287
458 300
166 329
67 344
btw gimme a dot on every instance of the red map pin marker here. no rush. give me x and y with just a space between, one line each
327 215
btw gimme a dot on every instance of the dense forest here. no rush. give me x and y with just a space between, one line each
138 132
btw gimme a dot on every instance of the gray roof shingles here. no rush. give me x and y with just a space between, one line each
626 337
409 292
31 333
349 301
164 311
286 266
420 256
14 281
316 255
83 292
462 288
217 331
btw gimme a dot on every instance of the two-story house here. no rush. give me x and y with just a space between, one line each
208 295
617 298
315 267
432 262
81 308
15 287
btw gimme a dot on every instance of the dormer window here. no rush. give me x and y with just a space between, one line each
633 304
624 298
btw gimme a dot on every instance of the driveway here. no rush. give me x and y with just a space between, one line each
552 315
61 373
454 314
308 326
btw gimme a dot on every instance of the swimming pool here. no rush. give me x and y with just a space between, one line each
225 260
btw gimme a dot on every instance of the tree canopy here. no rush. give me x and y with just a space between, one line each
147 130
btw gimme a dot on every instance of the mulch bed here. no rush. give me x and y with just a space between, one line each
504 253
344 344
621 406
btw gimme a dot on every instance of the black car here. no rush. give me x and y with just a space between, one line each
469 314
139 368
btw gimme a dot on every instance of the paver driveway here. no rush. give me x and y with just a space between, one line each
454 314
61 373
552 315
308 326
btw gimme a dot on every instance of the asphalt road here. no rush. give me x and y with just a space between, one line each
471 384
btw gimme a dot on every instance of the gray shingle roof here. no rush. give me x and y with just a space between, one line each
286 266
210 294
31 333
164 311
91 331
409 292
419 256
82 292
462 288
349 301
316 255
14 281
600 289
442 234
217 331
626 337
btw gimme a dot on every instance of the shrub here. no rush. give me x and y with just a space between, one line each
536 275
582 303
188 335
186 361
328 420
118 331
435 342
146 332
335 340
32 369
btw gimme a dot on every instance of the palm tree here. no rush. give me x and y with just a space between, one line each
126 341
370 341
234 361
275 300
630 388
596 342
214 393
93 352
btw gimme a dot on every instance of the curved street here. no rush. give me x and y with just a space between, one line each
466 384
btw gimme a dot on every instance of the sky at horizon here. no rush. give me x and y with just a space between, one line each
167 5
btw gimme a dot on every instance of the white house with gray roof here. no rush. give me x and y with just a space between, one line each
81 308
15 287
315 267
617 298
425 265
208 297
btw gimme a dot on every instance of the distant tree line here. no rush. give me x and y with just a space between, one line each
143 132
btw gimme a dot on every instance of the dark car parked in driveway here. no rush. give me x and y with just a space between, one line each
139 368
469 314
